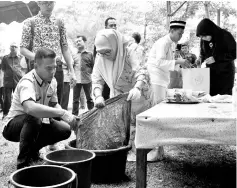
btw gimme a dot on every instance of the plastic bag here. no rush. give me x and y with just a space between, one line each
105 128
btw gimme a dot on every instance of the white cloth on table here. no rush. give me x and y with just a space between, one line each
170 124
216 98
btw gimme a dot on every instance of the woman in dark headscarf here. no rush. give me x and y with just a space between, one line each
218 51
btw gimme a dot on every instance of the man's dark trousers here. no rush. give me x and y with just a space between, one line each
59 77
76 95
7 96
66 94
34 135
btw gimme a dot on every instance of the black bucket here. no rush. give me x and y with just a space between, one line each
50 176
109 165
80 161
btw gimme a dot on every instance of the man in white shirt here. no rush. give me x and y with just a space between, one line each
160 62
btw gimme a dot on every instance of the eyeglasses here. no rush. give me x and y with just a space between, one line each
112 25
48 3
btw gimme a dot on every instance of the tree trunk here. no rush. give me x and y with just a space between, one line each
218 17
168 3
206 5
145 29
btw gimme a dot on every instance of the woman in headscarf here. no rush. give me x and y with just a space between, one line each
115 66
218 51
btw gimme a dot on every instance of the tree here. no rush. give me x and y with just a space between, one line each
146 17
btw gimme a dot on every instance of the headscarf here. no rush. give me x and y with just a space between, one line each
208 27
111 71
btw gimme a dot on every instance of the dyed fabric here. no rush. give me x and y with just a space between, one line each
105 128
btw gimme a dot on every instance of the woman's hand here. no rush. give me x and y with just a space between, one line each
210 60
134 93
99 102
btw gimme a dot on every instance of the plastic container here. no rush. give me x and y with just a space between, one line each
109 165
80 161
49 176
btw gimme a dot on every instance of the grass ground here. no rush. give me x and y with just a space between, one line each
185 166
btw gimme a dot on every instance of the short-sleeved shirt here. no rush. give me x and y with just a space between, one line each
12 70
31 87
46 33
83 65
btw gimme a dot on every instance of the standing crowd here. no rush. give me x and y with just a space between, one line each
35 101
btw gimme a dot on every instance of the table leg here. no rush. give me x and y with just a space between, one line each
141 167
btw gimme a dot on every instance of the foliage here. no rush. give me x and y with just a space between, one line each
147 17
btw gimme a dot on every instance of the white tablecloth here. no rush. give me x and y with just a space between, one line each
167 124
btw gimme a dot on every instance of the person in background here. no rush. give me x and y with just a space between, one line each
83 66
181 51
30 120
218 52
12 74
185 54
160 62
110 23
137 48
